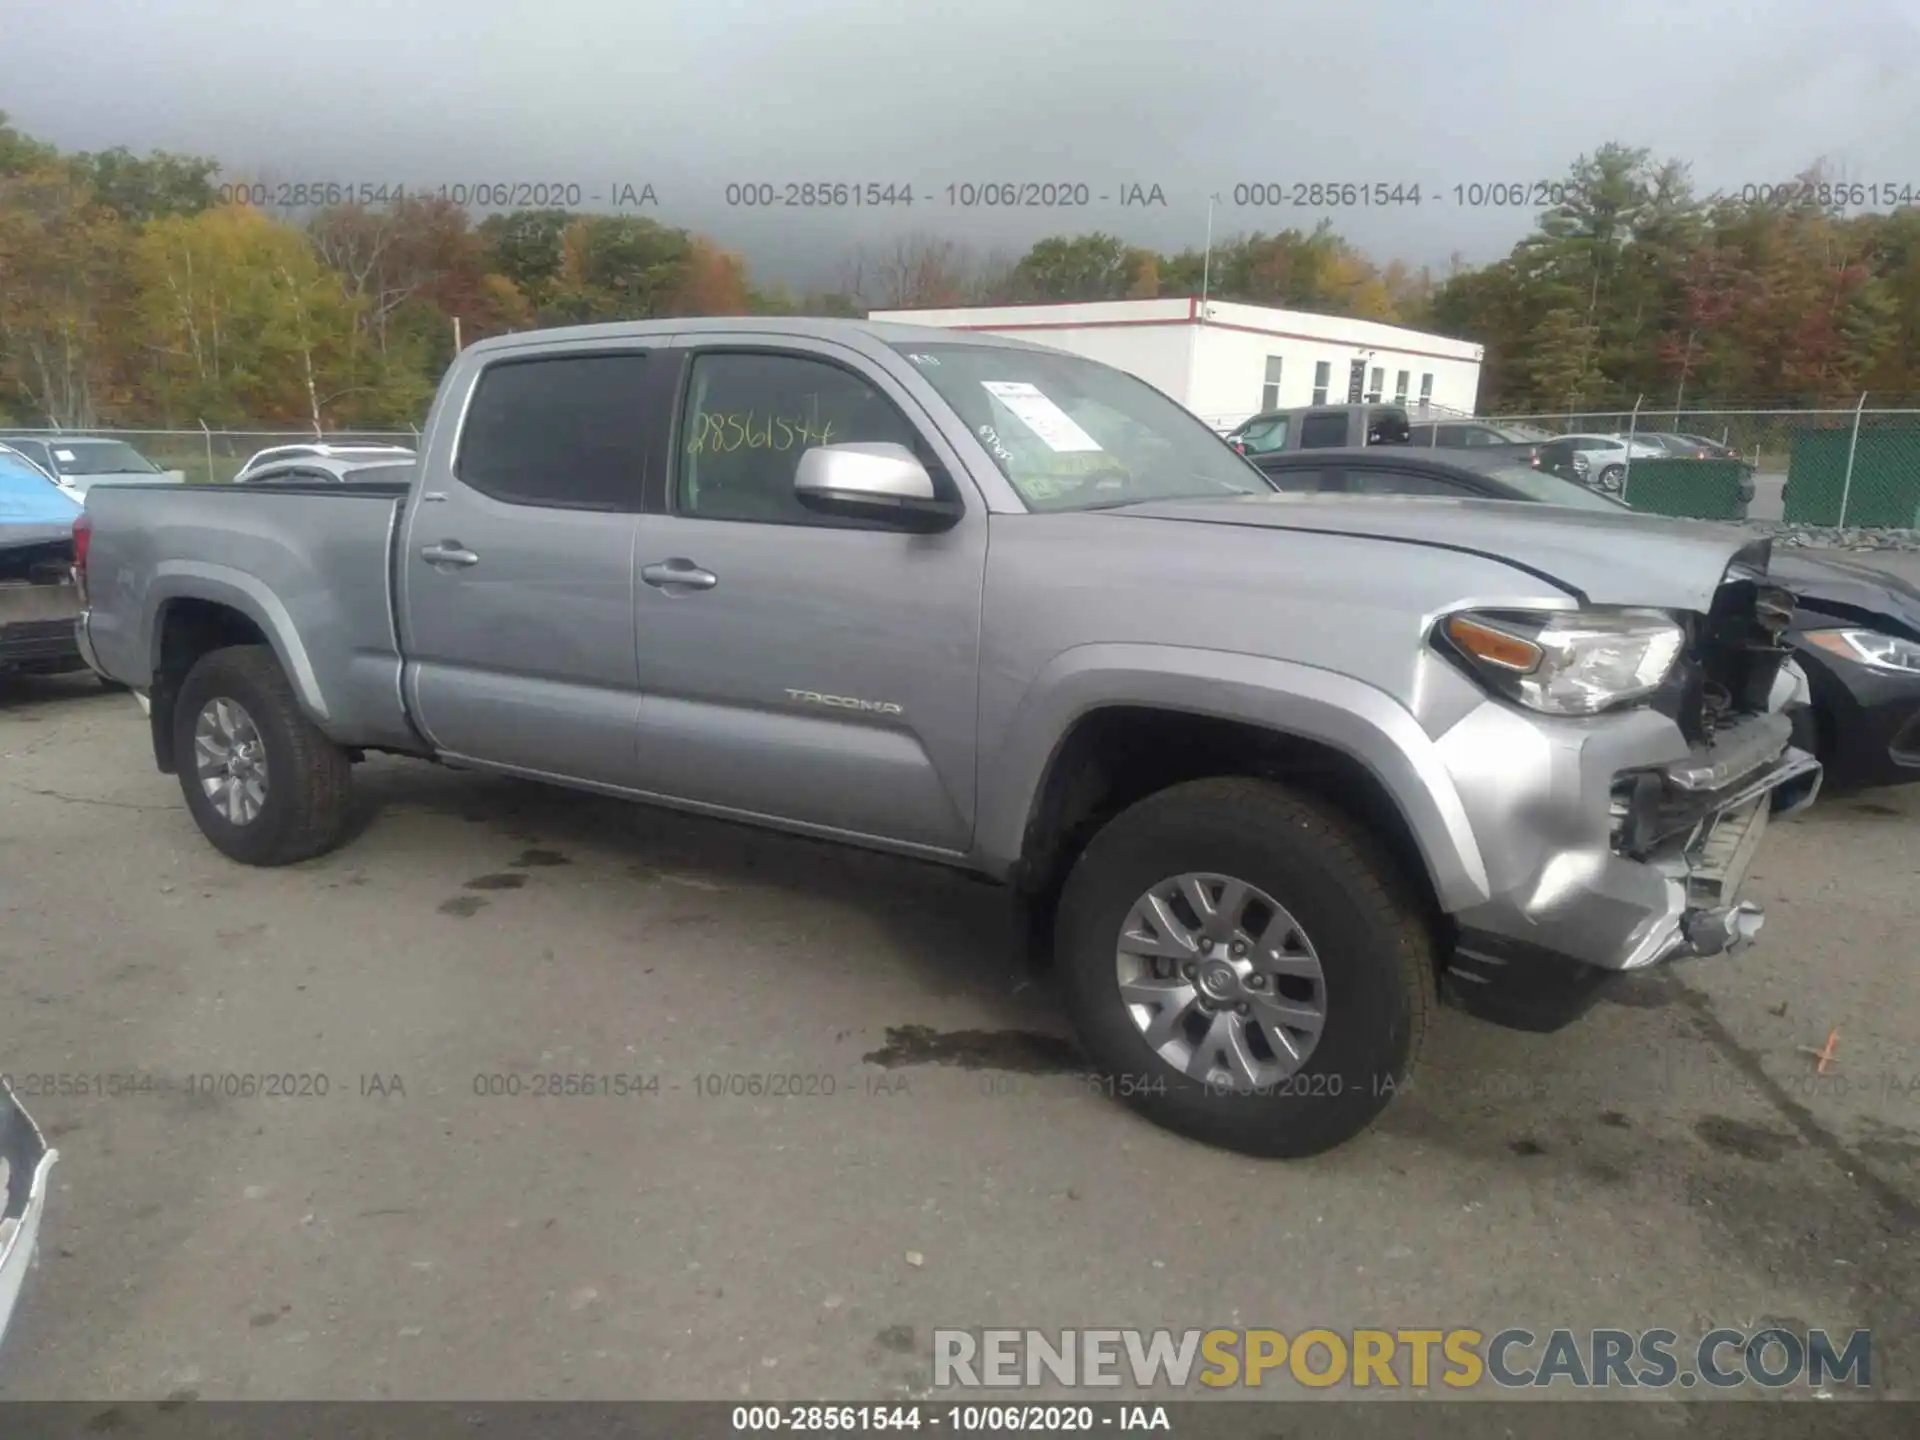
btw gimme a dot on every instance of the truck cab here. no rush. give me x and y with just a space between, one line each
1316 427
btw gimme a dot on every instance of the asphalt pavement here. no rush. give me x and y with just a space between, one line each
310 1161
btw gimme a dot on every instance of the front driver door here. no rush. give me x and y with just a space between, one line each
813 669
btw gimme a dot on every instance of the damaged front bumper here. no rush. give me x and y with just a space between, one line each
1623 849
23 1197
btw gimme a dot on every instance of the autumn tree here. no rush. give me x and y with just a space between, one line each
61 306
242 322
910 272
139 188
1095 266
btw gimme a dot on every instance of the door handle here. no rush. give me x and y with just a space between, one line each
448 552
678 574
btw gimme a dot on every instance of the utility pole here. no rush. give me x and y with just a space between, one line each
1206 263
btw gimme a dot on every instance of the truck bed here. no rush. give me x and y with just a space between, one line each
311 566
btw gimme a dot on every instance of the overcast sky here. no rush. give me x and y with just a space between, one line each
1194 96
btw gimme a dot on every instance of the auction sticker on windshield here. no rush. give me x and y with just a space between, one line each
1053 425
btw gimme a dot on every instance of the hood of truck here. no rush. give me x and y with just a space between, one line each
1597 557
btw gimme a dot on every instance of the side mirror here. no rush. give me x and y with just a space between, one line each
874 480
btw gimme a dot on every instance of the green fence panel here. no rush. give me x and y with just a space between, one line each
1690 489
1886 477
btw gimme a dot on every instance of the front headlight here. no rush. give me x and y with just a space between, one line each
1870 648
1566 662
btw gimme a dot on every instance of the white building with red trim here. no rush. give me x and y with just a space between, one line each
1236 360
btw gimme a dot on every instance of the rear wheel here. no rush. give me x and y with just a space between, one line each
264 785
1612 478
1244 966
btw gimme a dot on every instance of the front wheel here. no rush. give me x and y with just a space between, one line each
1612 478
1245 966
264 785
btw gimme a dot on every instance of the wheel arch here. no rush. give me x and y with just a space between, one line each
200 612
1106 725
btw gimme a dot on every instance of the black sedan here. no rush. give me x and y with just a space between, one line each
1855 632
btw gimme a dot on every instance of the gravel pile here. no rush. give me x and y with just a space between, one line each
1835 537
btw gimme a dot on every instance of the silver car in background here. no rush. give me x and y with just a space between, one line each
78 462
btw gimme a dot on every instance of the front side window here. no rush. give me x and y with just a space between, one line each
1265 435
1401 482
563 432
749 418
1072 434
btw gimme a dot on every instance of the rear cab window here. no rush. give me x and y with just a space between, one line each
562 432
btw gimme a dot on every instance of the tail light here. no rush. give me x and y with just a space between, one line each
82 542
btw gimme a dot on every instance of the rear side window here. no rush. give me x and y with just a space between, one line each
566 433
1317 432
1302 478
1401 482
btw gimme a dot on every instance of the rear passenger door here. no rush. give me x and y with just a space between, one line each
517 564
799 666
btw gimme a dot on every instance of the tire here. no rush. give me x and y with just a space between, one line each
307 800
1370 938
1612 478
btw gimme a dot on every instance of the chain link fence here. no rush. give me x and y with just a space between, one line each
1855 469
205 456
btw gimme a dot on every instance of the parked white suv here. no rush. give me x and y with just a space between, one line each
321 450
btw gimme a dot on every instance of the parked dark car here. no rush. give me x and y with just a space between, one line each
1316 427
1711 449
1855 630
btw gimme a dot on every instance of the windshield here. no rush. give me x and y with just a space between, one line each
1070 434
1550 489
101 457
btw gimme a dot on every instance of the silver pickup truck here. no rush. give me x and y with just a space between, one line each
1268 772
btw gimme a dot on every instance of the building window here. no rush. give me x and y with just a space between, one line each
1400 387
1379 383
1322 377
1426 392
1270 389
1356 382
